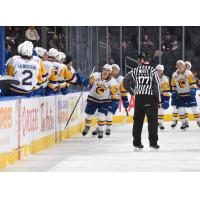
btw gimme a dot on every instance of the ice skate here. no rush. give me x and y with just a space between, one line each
174 123
108 130
95 132
100 134
85 131
161 126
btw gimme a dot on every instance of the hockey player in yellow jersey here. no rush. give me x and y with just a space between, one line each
184 86
165 95
55 72
104 92
38 57
24 69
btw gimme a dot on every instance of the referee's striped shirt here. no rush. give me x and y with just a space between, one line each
146 81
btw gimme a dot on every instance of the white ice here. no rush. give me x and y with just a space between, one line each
180 151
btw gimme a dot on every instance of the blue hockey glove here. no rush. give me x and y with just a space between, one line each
193 92
114 105
79 78
125 101
85 82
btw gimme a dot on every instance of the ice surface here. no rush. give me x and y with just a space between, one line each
180 151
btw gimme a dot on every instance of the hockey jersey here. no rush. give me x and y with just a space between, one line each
123 91
164 86
183 82
103 90
26 71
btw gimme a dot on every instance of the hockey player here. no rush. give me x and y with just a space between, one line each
123 95
104 92
24 69
165 95
184 86
38 57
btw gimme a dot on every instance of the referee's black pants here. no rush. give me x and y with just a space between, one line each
145 104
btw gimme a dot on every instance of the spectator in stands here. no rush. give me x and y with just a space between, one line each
167 42
55 42
32 35
147 43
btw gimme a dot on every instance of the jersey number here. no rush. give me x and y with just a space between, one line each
143 79
29 76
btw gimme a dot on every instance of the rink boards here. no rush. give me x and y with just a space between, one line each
28 125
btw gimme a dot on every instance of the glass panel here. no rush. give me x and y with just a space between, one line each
192 49
171 47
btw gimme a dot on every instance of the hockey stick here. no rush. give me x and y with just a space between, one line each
77 102
126 117
6 81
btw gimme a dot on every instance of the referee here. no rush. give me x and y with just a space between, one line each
147 100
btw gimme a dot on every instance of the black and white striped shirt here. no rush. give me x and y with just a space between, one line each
146 81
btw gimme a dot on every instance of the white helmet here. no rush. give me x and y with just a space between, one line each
61 57
160 67
26 49
116 66
107 66
19 48
40 51
53 53
179 62
188 65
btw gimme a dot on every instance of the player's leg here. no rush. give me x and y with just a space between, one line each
160 118
175 116
90 109
181 111
196 114
101 122
109 118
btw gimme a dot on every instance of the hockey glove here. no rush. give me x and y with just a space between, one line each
125 101
114 105
165 102
79 77
85 82
193 92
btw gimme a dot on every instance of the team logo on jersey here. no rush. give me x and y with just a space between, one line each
182 82
100 90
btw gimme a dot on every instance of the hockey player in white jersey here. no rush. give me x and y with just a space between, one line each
104 92
123 95
24 69
184 86
165 95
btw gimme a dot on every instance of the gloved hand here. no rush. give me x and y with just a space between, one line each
64 91
85 82
79 78
174 95
165 102
125 101
193 92
114 105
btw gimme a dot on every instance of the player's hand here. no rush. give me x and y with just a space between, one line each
165 105
79 78
193 92
125 101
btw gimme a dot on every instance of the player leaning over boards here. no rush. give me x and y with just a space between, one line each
123 94
165 95
184 87
104 92
24 69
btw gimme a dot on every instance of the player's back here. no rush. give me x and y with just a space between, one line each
26 72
